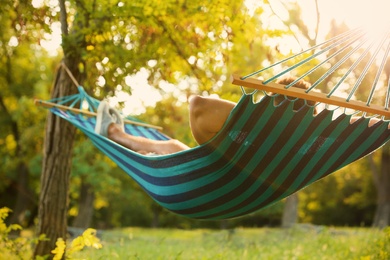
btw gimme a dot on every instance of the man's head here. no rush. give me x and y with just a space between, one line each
300 84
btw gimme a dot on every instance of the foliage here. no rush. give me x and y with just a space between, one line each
14 248
25 72
87 239
173 41
21 247
347 190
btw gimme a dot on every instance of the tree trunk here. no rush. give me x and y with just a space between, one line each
382 213
87 197
382 183
25 198
58 144
290 211
156 216
57 154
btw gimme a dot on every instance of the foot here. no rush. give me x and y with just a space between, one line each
117 117
105 117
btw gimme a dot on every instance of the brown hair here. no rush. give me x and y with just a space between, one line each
298 104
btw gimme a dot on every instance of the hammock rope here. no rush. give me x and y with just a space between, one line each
367 54
314 69
310 58
345 36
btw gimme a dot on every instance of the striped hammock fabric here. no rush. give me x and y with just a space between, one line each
263 154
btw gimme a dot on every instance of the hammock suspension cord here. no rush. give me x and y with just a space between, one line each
359 47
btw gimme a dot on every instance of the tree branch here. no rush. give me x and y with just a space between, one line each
284 22
318 20
63 18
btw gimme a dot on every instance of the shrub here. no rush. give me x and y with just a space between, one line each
22 247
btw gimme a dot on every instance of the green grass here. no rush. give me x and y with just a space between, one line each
302 242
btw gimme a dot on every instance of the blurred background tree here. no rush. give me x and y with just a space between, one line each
25 70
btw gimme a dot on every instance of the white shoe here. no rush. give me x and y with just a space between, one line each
103 119
106 116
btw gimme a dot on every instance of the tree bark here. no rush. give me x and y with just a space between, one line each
87 197
290 211
382 182
57 154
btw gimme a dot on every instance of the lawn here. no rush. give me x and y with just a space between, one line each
301 242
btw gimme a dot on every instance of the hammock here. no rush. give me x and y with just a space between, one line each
264 153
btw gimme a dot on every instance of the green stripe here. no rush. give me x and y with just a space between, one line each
320 153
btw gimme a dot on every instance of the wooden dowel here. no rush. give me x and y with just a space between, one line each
88 113
312 96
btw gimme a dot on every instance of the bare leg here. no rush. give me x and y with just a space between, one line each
143 145
207 116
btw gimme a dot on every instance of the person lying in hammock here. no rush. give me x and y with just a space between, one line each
207 117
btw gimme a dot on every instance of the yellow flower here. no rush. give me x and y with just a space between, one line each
59 250
90 238
77 244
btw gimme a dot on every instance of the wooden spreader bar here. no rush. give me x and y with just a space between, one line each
87 113
312 96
